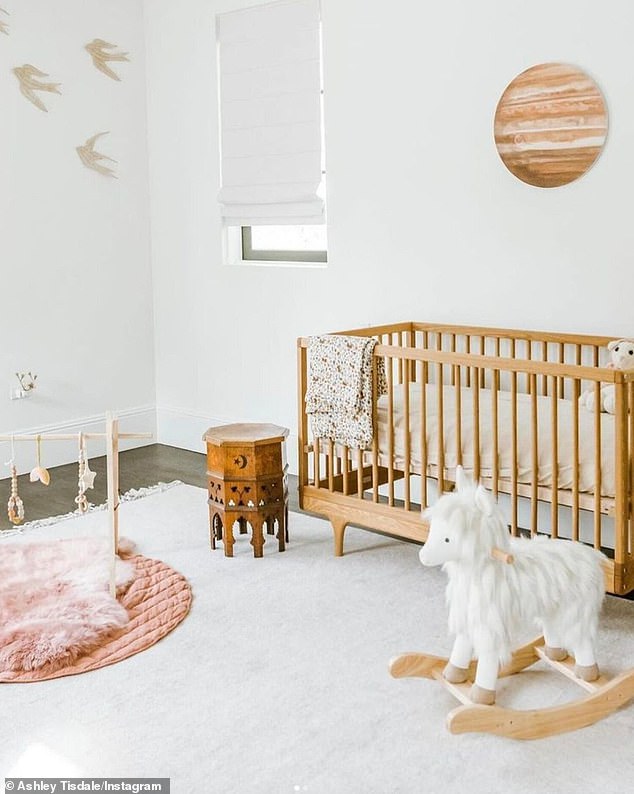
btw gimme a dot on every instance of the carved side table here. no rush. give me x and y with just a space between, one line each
246 476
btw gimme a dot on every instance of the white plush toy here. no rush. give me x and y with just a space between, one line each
622 357
557 584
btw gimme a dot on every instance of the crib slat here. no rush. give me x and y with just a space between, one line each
468 372
545 377
527 347
453 369
375 431
630 402
399 343
482 370
621 476
406 440
495 385
360 473
597 465
514 526
317 465
390 430
346 470
554 506
560 390
476 423
458 416
441 428
423 436
330 464
575 457
534 451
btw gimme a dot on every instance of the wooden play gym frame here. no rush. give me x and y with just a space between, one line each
112 437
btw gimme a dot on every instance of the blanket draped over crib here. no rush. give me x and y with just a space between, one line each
339 395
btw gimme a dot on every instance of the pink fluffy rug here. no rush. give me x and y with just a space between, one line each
55 604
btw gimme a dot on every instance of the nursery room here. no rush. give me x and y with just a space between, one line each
318 408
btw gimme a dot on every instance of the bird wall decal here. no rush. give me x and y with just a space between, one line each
99 52
92 159
27 77
4 25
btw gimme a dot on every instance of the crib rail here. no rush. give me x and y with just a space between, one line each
505 405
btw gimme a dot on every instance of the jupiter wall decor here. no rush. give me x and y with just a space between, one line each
550 124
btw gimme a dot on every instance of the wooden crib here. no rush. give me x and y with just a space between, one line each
502 403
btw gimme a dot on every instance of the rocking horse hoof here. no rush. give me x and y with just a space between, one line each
588 672
481 696
455 675
556 654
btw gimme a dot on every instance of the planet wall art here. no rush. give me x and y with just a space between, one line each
550 124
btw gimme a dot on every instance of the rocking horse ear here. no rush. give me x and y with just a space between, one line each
462 481
483 501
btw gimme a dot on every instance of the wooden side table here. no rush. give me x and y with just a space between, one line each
246 476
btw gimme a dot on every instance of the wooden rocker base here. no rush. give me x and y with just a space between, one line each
604 696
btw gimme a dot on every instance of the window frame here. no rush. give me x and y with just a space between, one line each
232 254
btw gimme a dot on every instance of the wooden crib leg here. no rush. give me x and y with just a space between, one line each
339 527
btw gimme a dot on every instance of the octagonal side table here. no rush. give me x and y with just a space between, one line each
247 483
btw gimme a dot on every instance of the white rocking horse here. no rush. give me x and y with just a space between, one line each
497 584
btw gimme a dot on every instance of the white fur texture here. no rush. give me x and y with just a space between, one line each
621 357
555 584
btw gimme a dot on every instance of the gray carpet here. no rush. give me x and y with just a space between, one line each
277 681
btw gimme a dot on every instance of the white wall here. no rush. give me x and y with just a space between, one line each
424 220
74 245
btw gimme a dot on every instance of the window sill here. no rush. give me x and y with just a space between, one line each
261 263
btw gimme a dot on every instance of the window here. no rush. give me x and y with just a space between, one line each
284 244
271 133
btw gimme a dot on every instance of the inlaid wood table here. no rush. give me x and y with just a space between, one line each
246 476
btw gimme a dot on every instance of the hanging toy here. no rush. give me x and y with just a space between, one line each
15 506
86 477
39 472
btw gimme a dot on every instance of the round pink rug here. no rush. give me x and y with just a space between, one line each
157 600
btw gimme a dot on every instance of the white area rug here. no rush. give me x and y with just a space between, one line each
277 681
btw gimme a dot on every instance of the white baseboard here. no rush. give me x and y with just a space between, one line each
177 427
57 453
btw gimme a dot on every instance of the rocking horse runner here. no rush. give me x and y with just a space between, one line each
497 583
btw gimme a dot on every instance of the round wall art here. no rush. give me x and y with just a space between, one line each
550 124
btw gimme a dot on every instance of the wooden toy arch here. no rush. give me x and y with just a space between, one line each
112 437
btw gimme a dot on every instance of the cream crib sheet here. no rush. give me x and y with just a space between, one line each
524 437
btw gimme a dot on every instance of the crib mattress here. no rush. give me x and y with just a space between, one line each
565 436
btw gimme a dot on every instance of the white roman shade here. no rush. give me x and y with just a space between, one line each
270 114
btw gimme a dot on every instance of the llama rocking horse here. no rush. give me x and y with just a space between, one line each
497 584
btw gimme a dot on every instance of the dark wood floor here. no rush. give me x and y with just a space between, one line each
137 468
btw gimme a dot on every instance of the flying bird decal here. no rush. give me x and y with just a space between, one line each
92 159
27 77
98 49
4 26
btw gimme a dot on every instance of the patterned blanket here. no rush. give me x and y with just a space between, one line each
339 395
